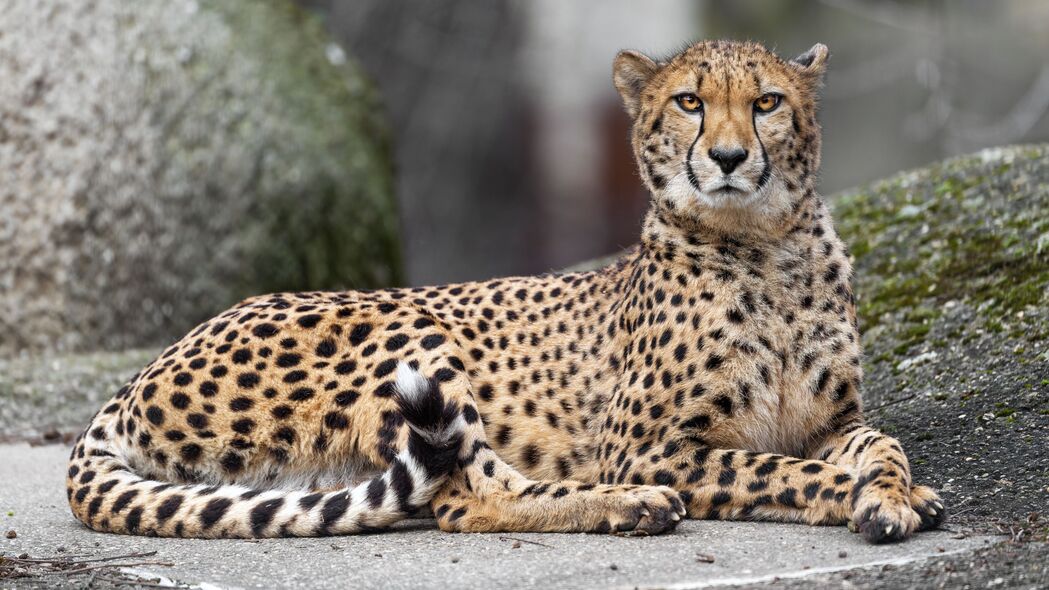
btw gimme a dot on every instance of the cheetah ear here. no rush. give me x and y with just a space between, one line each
813 61
631 72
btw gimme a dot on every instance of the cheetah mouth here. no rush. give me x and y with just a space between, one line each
727 187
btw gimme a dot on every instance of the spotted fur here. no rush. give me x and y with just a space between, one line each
713 371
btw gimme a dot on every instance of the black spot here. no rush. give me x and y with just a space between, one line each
432 341
190 452
727 477
241 404
180 400
134 518
530 455
155 415
248 380
396 342
345 367
213 511
376 492
183 379
766 468
724 403
359 333
264 330
295 376
720 498
169 507
232 462
336 420
664 478
243 426
122 501
308 502
287 360
242 356
345 398
788 498
208 388
714 362
385 368
326 348
470 414
309 321
262 514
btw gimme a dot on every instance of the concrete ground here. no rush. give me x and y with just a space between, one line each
700 554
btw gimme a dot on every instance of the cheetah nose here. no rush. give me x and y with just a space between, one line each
727 158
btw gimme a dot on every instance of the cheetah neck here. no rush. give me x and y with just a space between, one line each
667 236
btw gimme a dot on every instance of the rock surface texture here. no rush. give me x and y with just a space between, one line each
952 280
160 159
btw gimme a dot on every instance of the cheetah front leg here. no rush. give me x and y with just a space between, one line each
886 506
736 484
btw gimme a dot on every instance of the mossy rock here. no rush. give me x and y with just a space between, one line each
162 159
967 236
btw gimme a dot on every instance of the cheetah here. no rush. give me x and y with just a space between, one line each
712 372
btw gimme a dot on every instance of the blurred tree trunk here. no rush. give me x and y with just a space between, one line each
449 77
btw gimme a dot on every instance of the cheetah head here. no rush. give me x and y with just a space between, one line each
724 131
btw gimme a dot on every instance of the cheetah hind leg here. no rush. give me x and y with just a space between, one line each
495 498
485 495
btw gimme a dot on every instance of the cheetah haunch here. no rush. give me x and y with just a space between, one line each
712 372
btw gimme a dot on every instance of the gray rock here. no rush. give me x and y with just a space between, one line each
161 159
954 314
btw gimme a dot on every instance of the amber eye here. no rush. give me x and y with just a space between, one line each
689 102
767 102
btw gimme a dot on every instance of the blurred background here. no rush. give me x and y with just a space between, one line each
511 146
160 160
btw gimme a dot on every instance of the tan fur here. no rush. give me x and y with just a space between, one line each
714 370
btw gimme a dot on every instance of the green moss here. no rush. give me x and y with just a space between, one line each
968 230
343 233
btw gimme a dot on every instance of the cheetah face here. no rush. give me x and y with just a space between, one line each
723 125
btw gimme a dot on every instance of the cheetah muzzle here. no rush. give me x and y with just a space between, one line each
711 372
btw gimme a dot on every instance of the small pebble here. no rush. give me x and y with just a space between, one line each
516 545
842 554
11 534
613 567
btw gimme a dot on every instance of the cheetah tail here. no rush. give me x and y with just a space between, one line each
107 495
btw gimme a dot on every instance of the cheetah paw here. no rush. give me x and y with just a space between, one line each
884 516
926 502
643 511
